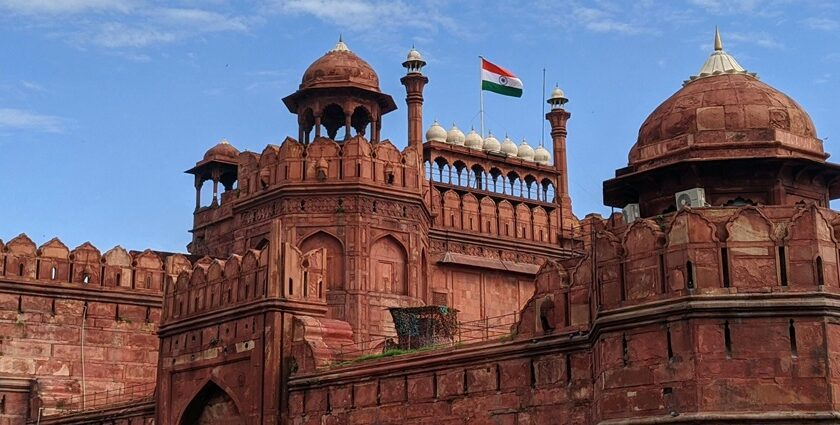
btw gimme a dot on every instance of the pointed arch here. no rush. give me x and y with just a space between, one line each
212 404
389 266
335 256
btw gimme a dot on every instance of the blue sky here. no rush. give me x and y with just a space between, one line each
104 103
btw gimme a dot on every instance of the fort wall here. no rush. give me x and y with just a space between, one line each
75 323
695 317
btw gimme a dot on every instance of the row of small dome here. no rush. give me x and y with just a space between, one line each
473 140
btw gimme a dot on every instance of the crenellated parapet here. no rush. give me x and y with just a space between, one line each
695 252
326 161
217 284
85 266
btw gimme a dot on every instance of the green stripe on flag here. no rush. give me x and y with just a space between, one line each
500 89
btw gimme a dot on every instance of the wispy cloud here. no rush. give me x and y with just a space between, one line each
760 39
377 20
32 86
57 7
19 119
727 6
605 20
822 24
164 25
122 24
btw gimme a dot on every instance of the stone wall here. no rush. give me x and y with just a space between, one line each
713 315
54 302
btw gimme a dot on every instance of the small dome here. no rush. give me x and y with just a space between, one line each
525 151
455 136
414 55
558 98
491 144
508 147
340 67
222 150
436 133
474 140
541 155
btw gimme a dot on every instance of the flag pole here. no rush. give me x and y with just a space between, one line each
481 94
542 118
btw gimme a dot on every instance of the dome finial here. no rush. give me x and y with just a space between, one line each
340 46
718 43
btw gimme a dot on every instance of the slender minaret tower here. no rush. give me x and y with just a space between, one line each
414 81
558 117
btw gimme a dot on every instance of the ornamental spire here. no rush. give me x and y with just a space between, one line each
340 46
719 62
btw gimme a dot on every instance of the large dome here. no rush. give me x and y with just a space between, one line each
722 116
725 112
340 68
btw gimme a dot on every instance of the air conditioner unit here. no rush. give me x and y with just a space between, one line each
630 212
691 198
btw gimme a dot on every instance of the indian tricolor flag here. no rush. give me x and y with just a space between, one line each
496 79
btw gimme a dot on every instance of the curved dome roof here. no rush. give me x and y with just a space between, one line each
222 150
340 68
436 133
725 115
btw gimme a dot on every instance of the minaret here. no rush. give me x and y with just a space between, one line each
414 81
558 117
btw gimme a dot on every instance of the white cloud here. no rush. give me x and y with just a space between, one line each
823 24
727 6
56 7
757 38
161 26
362 14
604 20
18 119
32 86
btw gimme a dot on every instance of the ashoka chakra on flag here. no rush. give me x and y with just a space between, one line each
496 79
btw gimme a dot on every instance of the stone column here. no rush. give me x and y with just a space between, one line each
558 117
414 83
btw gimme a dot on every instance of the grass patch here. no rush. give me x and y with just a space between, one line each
390 353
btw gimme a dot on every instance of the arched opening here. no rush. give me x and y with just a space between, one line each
261 244
547 190
547 316
530 188
389 263
306 121
478 178
461 174
514 184
332 119
359 120
498 183
335 257
212 405
820 271
438 174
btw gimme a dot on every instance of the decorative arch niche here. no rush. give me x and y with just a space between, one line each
335 256
389 266
212 406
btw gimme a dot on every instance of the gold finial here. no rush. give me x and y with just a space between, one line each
718 43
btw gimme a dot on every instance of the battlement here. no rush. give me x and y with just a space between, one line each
324 160
713 252
86 267
214 284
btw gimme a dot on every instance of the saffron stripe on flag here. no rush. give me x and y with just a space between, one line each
496 69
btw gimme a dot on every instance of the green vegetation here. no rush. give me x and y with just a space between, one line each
389 353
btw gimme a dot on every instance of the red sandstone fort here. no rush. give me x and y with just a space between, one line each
336 279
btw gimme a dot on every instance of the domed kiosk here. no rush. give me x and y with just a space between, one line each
339 90
725 126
